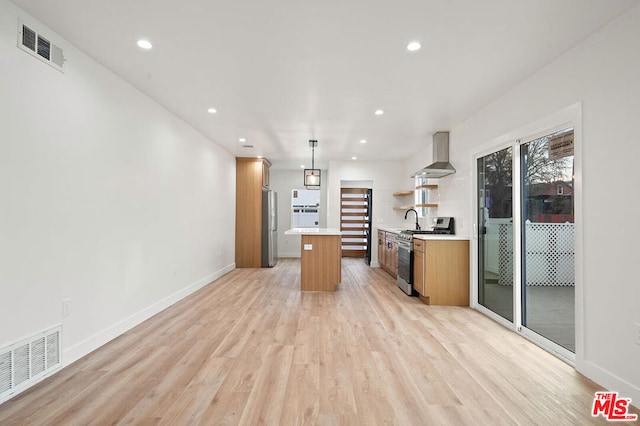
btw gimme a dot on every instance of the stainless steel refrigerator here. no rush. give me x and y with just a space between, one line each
269 228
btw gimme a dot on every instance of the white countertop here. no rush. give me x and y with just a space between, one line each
313 231
426 236
393 230
440 237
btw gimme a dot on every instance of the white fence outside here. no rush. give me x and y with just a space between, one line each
550 256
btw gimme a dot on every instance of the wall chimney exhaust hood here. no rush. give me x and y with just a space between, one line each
441 166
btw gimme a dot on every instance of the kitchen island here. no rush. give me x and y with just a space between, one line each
320 258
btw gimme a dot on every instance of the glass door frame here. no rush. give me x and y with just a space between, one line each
476 232
568 117
500 144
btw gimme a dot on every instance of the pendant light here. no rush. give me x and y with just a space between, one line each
312 175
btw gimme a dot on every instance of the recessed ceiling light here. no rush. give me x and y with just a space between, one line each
363 141
212 110
354 158
302 166
379 112
144 44
413 46
242 140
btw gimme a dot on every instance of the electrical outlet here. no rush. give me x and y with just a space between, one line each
636 331
66 307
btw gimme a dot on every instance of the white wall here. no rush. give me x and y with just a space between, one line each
283 182
103 192
603 73
107 199
387 177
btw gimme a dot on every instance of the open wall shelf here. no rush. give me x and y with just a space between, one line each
402 195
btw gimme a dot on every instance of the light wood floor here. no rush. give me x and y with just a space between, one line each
251 349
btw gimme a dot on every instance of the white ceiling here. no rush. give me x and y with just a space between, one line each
283 72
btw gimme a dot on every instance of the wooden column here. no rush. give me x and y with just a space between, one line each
252 176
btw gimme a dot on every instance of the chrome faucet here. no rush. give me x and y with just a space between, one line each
413 210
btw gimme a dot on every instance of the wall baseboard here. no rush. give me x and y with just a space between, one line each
611 382
91 343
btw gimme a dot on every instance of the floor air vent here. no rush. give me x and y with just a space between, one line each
25 362
39 46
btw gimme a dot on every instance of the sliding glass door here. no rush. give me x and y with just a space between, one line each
495 232
548 232
526 233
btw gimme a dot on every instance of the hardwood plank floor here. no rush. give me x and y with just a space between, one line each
251 349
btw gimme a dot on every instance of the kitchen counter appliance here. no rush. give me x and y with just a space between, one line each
441 226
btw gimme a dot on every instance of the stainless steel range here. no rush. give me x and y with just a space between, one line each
441 225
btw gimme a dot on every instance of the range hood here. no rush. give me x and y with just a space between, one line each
441 166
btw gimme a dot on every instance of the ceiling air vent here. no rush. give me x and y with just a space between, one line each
39 46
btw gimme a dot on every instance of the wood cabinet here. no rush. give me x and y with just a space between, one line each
392 254
441 271
252 175
388 252
381 246
419 265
